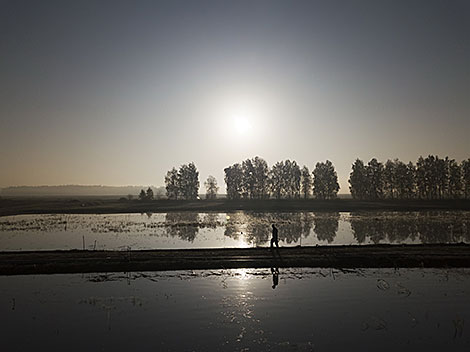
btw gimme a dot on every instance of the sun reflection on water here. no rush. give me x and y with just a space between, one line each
241 274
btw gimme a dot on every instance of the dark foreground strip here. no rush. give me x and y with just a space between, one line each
375 256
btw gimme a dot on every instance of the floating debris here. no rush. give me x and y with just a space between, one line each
382 284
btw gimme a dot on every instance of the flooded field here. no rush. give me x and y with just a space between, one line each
239 310
236 229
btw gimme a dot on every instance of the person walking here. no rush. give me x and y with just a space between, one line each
275 238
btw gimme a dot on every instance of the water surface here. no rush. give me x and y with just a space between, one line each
238 310
235 229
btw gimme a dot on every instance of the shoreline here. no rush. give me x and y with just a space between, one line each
351 256
86 205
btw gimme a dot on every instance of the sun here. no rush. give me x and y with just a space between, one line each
242 125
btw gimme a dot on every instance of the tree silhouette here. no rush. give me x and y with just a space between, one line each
234 181
455 179
325 181
171 184
404 180
149 194
276 179
305 182
431 178
375 183
188 178
291 179
142 195
183 183
248 180
211 187
390 178
465 166
261 178
255 178
358 180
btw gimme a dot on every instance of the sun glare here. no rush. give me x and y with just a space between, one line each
242 125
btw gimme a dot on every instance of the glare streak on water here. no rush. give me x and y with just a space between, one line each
235 229
235 310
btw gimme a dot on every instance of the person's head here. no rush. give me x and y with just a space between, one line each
274 226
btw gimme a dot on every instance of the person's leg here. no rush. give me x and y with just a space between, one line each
272 240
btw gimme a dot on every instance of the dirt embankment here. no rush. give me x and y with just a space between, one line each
90 205
375 256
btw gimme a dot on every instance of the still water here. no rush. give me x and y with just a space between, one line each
236 229
239 310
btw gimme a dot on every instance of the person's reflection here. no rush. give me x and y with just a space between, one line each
275 272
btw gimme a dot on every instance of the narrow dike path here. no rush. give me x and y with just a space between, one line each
370 256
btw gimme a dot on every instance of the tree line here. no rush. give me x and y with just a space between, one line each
430 178
253 179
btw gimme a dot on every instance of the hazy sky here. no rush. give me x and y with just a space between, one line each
118 92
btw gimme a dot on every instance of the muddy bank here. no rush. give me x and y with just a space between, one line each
87 205
376 256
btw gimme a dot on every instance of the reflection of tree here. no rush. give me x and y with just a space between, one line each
183 225
233 227
307 223
441 227
290 226
258 226
367 225
399 228
210 220
428 227
326 226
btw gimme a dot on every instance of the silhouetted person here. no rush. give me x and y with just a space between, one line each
275 272
275 238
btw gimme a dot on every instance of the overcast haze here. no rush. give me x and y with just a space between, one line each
119 92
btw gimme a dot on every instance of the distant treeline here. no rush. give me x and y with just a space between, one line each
75 190
253 179
430 178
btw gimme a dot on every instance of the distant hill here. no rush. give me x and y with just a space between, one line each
77 190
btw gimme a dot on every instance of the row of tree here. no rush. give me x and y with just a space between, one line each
430 178
253 179
182 183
